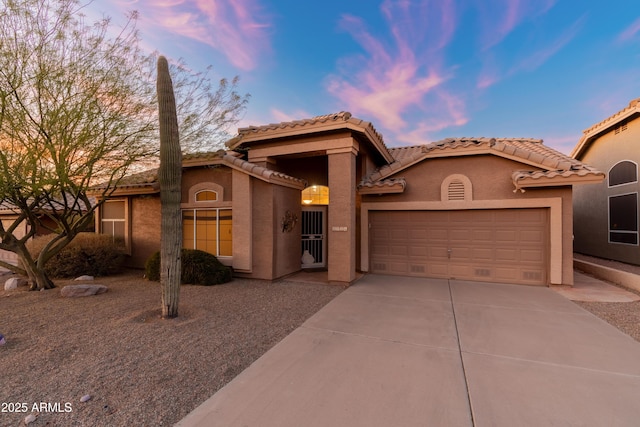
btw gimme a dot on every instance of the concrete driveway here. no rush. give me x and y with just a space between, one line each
398 351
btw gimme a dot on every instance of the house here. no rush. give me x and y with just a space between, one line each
606 214
327 193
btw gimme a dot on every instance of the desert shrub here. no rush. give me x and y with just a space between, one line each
89 253
198 268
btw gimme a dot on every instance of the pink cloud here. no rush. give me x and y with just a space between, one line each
281 116
449 112
396 76
498 18
630 32
233 27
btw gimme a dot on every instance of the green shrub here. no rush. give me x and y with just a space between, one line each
88 253
198 268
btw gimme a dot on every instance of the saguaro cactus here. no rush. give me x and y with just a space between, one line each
170 179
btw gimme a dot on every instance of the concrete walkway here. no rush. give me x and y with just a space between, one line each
398 351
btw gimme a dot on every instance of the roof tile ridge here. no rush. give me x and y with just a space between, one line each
632 104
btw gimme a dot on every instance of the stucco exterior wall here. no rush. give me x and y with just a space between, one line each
262 211
287 244
591 206
341 225
491 183
220 175
144 229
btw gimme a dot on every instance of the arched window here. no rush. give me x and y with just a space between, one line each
315 195
623 172
206 196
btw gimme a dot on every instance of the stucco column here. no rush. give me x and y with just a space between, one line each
341 224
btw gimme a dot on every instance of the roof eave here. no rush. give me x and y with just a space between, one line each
604 126
380 190
559 181
248 135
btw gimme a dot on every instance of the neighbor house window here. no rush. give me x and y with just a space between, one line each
623 172
113 219
623 219
209 230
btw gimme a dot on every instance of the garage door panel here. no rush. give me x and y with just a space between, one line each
531 236
438 269
506 235
483 254
437 252
418 251
504 255
492 245
507 274
398 250
482 235
535 256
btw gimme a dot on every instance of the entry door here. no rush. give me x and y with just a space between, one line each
314 224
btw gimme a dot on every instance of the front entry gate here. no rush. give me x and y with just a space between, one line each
314 248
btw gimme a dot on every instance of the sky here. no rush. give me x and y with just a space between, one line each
418 70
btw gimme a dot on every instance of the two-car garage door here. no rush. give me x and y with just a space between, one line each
499 245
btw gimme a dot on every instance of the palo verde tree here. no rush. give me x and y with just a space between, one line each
170 178
78 108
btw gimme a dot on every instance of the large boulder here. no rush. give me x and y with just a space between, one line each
72 291
14 282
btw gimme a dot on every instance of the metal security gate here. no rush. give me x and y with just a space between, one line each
314 249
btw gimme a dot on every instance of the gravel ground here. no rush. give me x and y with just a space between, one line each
624 315
142 370
139 369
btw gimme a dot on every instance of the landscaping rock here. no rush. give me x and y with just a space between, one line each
84 278
72 291
14 282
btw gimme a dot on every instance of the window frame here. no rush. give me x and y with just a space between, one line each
635 232
206 190
100 220
624 183
194 211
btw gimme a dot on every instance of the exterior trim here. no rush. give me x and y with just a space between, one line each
555 223
595 131
624 183
205 186
609 230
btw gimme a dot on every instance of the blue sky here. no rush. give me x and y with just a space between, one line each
419 70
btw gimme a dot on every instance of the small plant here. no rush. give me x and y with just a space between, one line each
198 268
89 253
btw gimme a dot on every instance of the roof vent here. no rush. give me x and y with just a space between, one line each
456 190
620 128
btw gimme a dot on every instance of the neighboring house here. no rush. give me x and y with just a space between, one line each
327 193
8 217
606 215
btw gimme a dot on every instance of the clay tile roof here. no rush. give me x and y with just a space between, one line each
341 116
140 180
149 179
615 118
343 119
633 108
390 185
551 166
